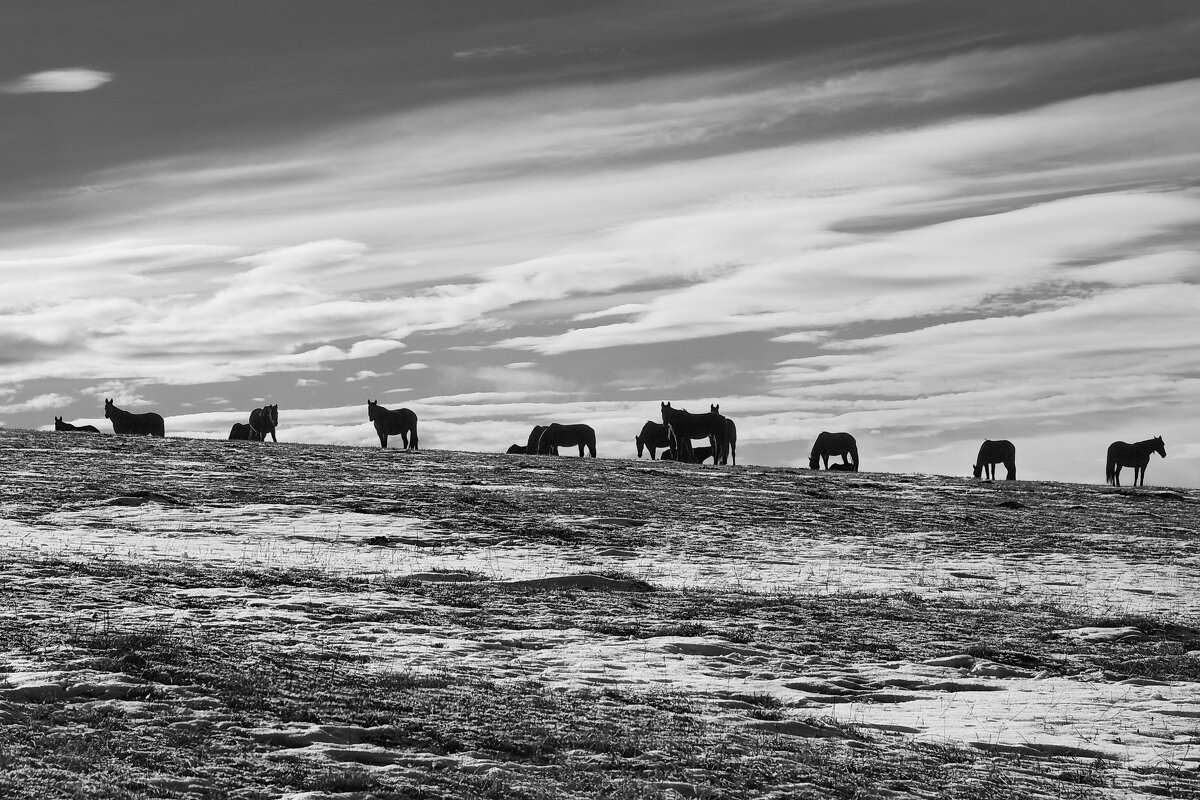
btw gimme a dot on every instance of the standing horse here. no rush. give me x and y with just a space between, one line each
1136 455
653 437
996 452
556 436
688 426
59 425
243 432
264 420
148 424
834 444
730 437
389 423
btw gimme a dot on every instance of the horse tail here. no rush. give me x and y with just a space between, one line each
413 441
637 440
854 456
591 442
1109 472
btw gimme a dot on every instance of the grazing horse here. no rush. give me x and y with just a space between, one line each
730 437
688 426
516 450
653 437
1136 455
264 420
148 424
555 436
243 432
834 444
996 452
389 423
59 425
535 438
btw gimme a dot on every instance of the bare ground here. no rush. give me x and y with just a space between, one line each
190 618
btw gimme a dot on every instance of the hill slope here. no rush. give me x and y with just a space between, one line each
197 618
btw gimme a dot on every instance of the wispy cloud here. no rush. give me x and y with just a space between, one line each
58 80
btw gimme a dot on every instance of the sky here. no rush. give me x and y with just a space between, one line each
925 222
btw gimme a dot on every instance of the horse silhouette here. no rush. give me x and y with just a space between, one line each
840 467
688 426
834 444
991 453
730 437
264 420
696 455
390 423
653 437
516 450
59 425
1136 455
125 422
555 436
535 437
244 432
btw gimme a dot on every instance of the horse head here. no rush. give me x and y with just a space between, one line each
1159 447
640 444
372 407
108 407
814 461
977 470
714 408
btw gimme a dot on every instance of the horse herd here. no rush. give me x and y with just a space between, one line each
673 436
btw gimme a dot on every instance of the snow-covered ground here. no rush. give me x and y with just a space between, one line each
875 565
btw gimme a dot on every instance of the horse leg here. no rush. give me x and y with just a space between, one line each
1011 468
382 438
404 439
1116 481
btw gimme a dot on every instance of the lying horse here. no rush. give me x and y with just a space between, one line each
698 455
59 425
653 437
836 467
244 432
730 437
1136 455
688 426
996 452
264 420
516 450
389 423
555 436
834 444
148 424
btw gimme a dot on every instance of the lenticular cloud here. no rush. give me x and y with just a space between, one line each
58 80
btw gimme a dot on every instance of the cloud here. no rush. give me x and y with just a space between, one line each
39 403
58 80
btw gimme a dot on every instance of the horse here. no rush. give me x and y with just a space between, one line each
148 424
996 452
244 432
555 436
730 437
837 467
688 426
834 444
696 455
389 423
516 450
535 439
1136 455
652 437
264 420
59 425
